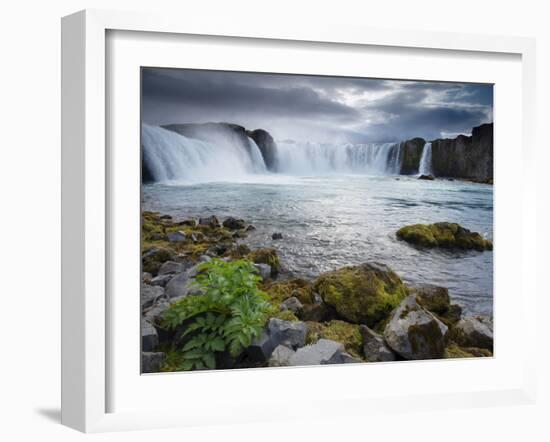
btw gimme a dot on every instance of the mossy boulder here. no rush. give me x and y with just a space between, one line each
454 351
474 332
340 331
445 235
432 297
415 333
267 255
282 290
363 294
153 258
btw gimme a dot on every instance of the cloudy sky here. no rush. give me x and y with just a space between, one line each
314 108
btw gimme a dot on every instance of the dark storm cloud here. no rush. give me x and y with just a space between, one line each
316 108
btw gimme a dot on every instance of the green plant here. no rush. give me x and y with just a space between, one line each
227 316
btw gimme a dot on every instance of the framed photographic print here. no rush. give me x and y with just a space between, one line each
255 211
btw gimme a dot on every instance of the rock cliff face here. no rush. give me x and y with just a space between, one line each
465 157
267 146
411 152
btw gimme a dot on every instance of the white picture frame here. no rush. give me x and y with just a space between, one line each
86 217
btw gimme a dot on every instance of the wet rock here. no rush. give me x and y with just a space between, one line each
250 227
150 294
277 235
171 267
426 177
234 223
178 236
293 304
267 256
432 297
415 333
374 346
149 336
322 352
474 332
281 356
151 361
166 217
445 235
264 270
364 294
211 221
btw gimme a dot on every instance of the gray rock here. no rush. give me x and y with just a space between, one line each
180 286
250 228
415 333
281 356
293 304
155 314
291 334
261 348
161 280
149 336
474 332
264 270
349 359
171 267
234 223
324 351
151 361
204 258
178 236
146 277
188 222
374 347
150 294
211 221
277 235
166 217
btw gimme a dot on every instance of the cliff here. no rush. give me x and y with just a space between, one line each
465 157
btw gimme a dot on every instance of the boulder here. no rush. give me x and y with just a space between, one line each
474 332
182 285
151 361
281 356
291 334
259 351
277 235
153 258
452 315
178 236
293 304
364 294
150 294
264 270
374 346
149 336
322 352
161 280
171 267
445 235
316 311
211 221
234 223
426 177
432 297
415 333
250 227
267 256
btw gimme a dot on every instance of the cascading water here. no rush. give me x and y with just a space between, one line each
425 167
170 156
221 155
315 158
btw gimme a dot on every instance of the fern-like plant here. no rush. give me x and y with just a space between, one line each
228 315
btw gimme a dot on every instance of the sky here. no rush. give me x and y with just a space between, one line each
316 108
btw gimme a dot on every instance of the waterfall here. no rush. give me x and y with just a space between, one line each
169 156
324 158
225 155
425 167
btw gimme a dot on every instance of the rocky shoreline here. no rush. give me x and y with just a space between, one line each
355 314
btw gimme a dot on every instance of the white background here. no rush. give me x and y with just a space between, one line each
30 143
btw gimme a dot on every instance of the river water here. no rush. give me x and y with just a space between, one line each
330 221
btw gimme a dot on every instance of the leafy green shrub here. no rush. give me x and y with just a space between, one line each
229 314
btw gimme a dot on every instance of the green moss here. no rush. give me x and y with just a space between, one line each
446 235
285 315
454 351
426 339
339 331
151 261
267 255
280 291
362 294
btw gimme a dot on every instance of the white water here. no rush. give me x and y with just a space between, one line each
174 157
425 167
314 158
170 156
